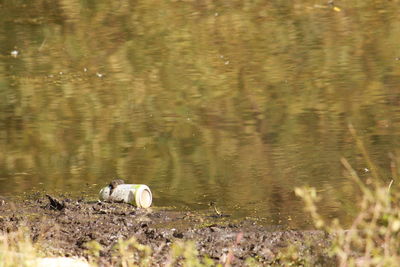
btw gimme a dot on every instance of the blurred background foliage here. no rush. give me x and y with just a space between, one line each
234 101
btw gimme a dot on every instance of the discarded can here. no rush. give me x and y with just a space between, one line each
135 194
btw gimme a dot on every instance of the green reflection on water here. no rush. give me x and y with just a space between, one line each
233 102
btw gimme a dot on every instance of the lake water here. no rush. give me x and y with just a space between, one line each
232 102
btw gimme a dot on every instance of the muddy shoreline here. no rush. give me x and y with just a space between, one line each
64 227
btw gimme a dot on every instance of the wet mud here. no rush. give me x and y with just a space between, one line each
63 226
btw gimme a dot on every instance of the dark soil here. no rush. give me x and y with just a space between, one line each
63 227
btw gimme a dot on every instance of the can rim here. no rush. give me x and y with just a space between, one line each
140 202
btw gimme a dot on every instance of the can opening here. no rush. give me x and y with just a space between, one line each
145 198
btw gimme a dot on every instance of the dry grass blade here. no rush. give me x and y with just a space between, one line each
354 176
361 147
393 166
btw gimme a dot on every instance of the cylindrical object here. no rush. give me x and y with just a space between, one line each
135 194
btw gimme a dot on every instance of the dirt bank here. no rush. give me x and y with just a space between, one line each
63 226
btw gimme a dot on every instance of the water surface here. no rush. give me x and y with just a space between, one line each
237 103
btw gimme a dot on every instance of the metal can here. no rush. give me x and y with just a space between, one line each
135 194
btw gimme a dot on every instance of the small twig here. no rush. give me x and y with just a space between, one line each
393 166
390 185
42 45
217 211
364 152
212 204
355 177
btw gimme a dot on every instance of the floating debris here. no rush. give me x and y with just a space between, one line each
14 53
337 9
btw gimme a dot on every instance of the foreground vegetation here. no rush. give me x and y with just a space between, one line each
17 249
373 238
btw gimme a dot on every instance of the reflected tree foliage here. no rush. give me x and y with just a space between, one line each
231 101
